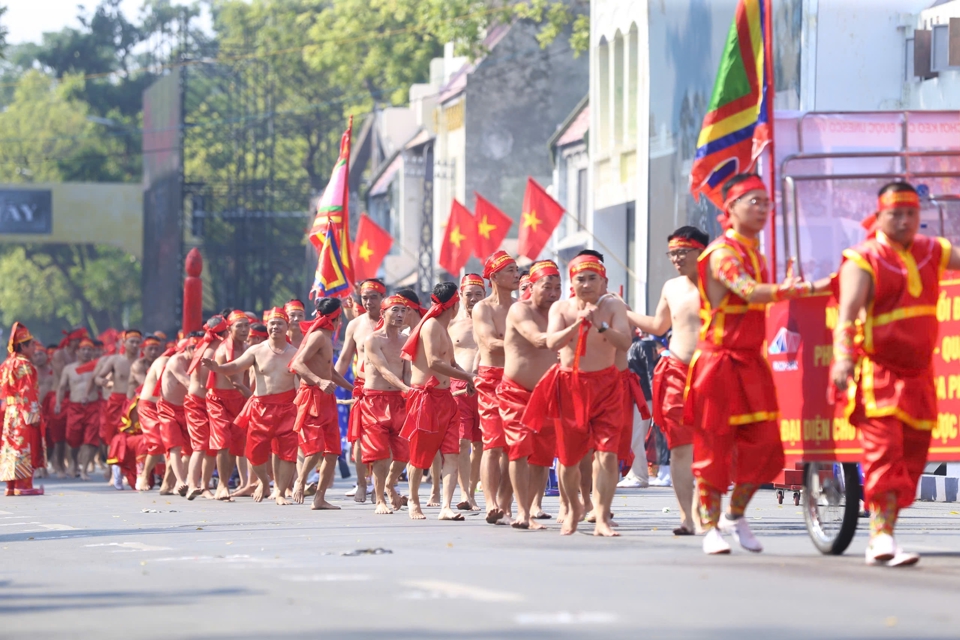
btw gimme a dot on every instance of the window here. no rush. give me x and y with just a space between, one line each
618 78
945 47
908 74
581 199
633 77
603 93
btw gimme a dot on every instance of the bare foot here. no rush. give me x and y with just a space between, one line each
207 495
493 516
395 499
416 513
434 501
223 493
311 489
61 475
258 493
182 488
506 519
604 529
383 509
591 517
450 514
281 501
298 489
194 493
570 523
536 526
323 505
84 476
361 494
473 505
244 492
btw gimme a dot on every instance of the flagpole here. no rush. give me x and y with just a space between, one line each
768 71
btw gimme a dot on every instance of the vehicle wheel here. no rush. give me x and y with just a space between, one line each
780 496
831 504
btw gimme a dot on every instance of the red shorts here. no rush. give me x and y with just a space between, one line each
353 423
150 426
113 410
632 397
318 422
223 407
539 448
469 412
173 427
588 406
198 424
381 418
125 450
431 424
83 424
56 422
488 379
669 381
269 421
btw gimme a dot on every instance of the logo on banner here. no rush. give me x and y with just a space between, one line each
785 343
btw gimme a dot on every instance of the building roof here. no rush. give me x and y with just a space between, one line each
383 181
574 128
458 81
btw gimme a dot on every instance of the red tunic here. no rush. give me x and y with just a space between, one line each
21 418
730 397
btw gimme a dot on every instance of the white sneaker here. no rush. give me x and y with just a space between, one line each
881 549
117 477
632 482
714 544
740 530
904 559
352 492
369 488
663 477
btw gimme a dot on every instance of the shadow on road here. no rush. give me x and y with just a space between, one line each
19 602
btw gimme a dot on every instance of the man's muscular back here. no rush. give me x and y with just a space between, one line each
150 381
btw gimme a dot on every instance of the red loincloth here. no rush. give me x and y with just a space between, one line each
564 394
894 456
110 420
431 424
381 416
539 448
318 422
198 424
632 397
173 427
125 450
732 403
353 422
669 381
491 426
83 424
150 426
469 412
56 422
269 422
223 407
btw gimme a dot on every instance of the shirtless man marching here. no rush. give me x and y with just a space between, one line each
383 407
47 394
489 327
318 422
83 412
225 400
472 291
583 391
116 368
432 422
149 417
174 382
526 359
203 459
270 415
679 308
372 293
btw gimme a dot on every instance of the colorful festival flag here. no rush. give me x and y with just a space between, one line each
541 215
739 123
370 247
492 228
460 236
331 230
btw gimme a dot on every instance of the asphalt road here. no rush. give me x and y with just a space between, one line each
86 561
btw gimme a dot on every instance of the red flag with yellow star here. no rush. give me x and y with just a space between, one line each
541 215
458 240
492 227
370 247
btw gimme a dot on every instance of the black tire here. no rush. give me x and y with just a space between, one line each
831 508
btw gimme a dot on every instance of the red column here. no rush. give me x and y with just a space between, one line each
193 292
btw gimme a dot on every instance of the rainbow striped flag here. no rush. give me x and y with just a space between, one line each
739 123
330 233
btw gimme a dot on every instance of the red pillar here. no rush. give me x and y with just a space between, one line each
193 292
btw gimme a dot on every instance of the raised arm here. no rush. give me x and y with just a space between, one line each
239 365
484 329
658 323
433 336
856 287
374 355
728 269
559 335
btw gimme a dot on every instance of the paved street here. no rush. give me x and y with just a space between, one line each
87 561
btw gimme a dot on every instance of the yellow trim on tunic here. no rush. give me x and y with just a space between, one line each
946 249
905 313
750 418
914 283
871 410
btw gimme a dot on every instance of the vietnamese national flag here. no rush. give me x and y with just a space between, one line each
460 236
541 215
492 228
370 247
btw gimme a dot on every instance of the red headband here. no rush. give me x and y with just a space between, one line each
151 340
497 262
18 335
472 279
684 243
543 269
86 342
889 200
525 286
259 334
215 325
237 316
69 336
319 323
393 301
276 312
587 263
293 305
373 285
409 350
753 183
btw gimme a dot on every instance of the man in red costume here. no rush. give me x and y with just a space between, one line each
730 397
270 415
583 393
893 278
372 293
225 399
149 418
83 411
489 327
678 309
383 408
171 390
318 422
526 359
46 385
21 445
203 459
472 291
432 422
